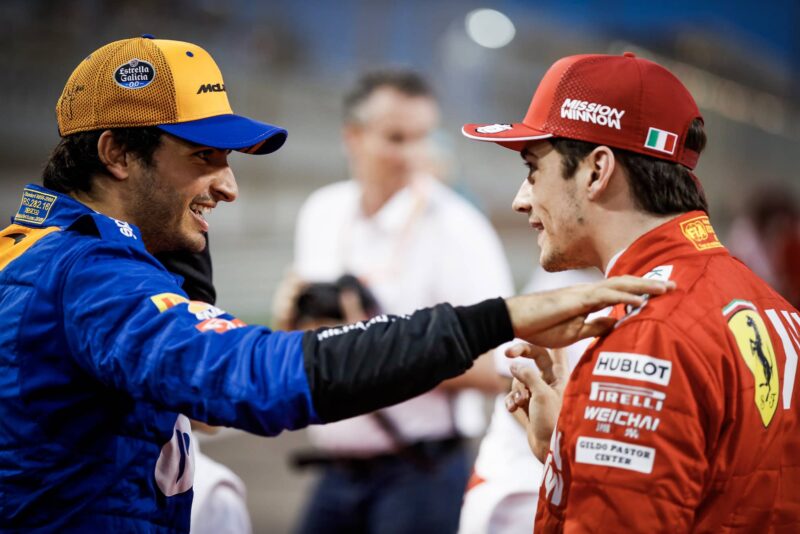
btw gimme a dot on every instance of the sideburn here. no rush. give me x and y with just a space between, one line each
157 211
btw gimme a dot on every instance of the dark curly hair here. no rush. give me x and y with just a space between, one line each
659 187
74 161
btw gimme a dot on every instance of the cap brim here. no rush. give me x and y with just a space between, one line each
230 132
513 136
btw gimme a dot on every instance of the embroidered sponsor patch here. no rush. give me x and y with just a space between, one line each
219 325
617 454
135 74
700 232
755 347
35 206
661 140
662 272
124 228
204 310
493 128
633 366
634 396
165 301
585 111
632 422
211 88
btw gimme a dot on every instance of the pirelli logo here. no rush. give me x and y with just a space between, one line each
165 301
626 395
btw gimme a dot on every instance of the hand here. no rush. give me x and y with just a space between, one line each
537 393
558 318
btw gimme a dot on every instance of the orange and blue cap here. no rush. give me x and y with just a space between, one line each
173 85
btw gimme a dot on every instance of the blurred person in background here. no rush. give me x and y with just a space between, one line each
504 487
766 237
412 242
220 497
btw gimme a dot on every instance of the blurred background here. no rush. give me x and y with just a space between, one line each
289 63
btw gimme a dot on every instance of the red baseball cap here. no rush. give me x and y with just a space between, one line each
619 101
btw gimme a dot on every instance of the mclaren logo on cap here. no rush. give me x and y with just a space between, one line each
211 88
135 74
493 128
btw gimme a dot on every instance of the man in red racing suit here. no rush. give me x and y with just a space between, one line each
684 417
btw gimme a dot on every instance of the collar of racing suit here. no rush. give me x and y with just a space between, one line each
648 256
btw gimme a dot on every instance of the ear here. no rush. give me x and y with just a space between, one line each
602 164
112 155
351 134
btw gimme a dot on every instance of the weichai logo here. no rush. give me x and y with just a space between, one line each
582 110
211 88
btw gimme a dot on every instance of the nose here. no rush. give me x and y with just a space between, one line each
522 200
224 187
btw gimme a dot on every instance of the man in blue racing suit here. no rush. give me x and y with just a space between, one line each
101 350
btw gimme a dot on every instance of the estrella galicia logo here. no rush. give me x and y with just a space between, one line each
135 74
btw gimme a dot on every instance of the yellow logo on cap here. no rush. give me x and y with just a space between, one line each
755 347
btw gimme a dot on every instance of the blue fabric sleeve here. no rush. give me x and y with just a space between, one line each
186 357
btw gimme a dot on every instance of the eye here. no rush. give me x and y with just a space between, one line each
204 154
532 168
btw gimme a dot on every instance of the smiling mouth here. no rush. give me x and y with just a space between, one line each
199 211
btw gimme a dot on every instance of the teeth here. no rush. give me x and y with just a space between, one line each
200 210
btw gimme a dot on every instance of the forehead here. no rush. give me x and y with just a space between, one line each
537 149
388 103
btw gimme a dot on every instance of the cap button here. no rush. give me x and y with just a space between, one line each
629 54
148 36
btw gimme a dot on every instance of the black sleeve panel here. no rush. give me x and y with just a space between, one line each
486 324
196 270
356 369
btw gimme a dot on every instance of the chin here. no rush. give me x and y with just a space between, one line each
553 262
185 242
195 243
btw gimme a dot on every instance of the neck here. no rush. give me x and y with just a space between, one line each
103 200
618 230
376 193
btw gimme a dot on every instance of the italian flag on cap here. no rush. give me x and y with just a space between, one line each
661 140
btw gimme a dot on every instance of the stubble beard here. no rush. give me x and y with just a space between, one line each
159 213
558 259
